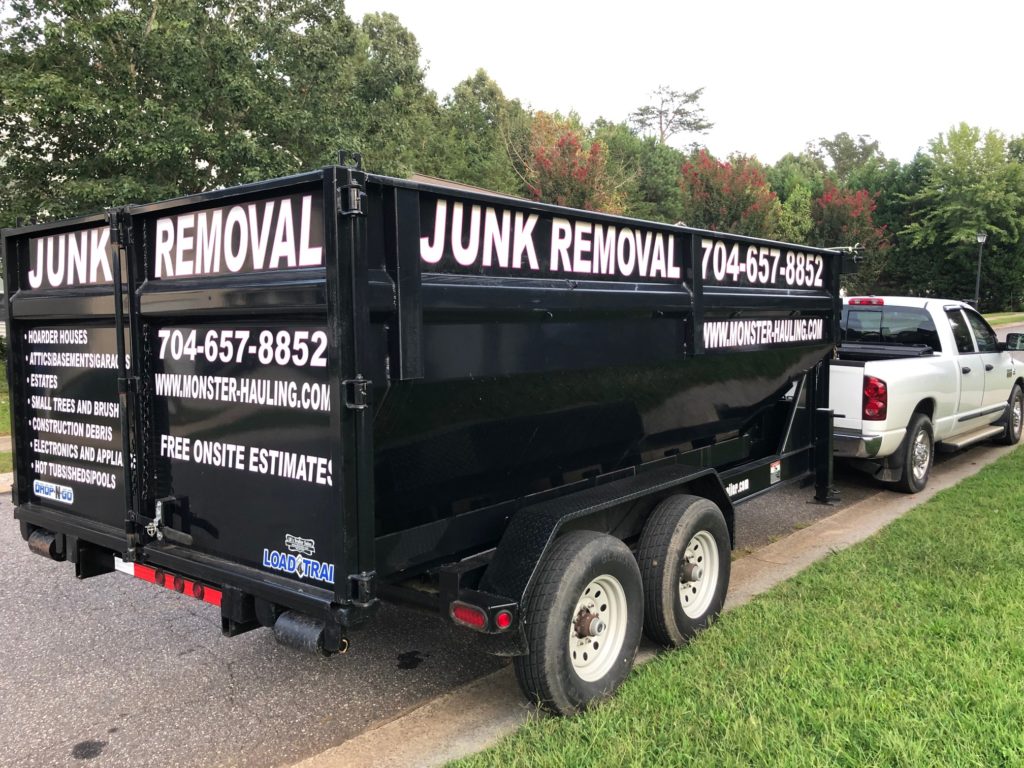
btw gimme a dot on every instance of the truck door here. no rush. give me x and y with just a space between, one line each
997 365
972 372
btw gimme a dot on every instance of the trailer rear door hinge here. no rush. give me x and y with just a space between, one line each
357 393
362 586
351 194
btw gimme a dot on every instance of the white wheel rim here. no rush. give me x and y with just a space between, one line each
602 610
1015 417
699 577
922 455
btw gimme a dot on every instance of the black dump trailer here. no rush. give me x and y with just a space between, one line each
297 398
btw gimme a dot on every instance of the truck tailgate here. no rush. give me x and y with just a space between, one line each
845 394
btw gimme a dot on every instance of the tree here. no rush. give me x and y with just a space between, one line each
732 196
124 100
397 110
567 167
972 185
483 138
646 171
844 217
670 113
850 157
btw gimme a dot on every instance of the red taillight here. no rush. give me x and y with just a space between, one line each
469 615
503 619
876 399
170 581
866 301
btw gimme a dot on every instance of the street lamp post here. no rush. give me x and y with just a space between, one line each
982 237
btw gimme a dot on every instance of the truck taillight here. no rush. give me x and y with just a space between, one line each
867 301
876 399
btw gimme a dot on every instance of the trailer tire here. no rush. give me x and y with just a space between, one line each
1014 417
587 583
685 537
918 453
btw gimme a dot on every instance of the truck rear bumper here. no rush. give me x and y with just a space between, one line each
849 444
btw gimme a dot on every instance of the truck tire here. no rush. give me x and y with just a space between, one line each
685 560
583 618
1014 417
918 453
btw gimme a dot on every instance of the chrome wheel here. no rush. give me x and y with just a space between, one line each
921 455
597 628
698 579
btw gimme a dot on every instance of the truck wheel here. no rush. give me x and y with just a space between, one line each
918 452
583 619
1014 417
684 558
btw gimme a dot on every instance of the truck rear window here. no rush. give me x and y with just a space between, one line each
889 325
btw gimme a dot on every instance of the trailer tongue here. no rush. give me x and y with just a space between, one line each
337 388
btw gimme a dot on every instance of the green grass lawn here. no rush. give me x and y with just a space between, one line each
6 464
1005 318
905 650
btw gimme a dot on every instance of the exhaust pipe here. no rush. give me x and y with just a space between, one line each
304 633
44 543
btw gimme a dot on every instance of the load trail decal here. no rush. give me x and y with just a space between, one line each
485 239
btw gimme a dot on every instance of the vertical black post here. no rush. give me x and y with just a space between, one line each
351 415
16 386
823 490
127 383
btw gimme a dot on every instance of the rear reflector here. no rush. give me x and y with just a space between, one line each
503 620
170 581
470 615
867 301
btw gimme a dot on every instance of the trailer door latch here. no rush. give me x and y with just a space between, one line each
357 393
158 528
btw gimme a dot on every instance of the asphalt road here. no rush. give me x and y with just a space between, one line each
114 671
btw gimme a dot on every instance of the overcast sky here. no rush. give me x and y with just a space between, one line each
775 74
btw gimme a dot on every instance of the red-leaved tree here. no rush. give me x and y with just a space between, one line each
731 196
845 218
566 168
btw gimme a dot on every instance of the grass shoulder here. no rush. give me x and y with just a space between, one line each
1004 318
899 651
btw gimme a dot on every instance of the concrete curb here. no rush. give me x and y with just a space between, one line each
475 716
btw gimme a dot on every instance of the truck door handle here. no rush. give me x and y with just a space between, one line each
989 366
965 369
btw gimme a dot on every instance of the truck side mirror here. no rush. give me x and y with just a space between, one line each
1015 341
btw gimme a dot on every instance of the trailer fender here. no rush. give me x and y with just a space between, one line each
533 529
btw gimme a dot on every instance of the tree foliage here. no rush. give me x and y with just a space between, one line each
732 196
972 184
567 167
671 112
104 102
483 138
111 101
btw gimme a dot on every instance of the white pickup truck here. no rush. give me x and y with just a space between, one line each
914 373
